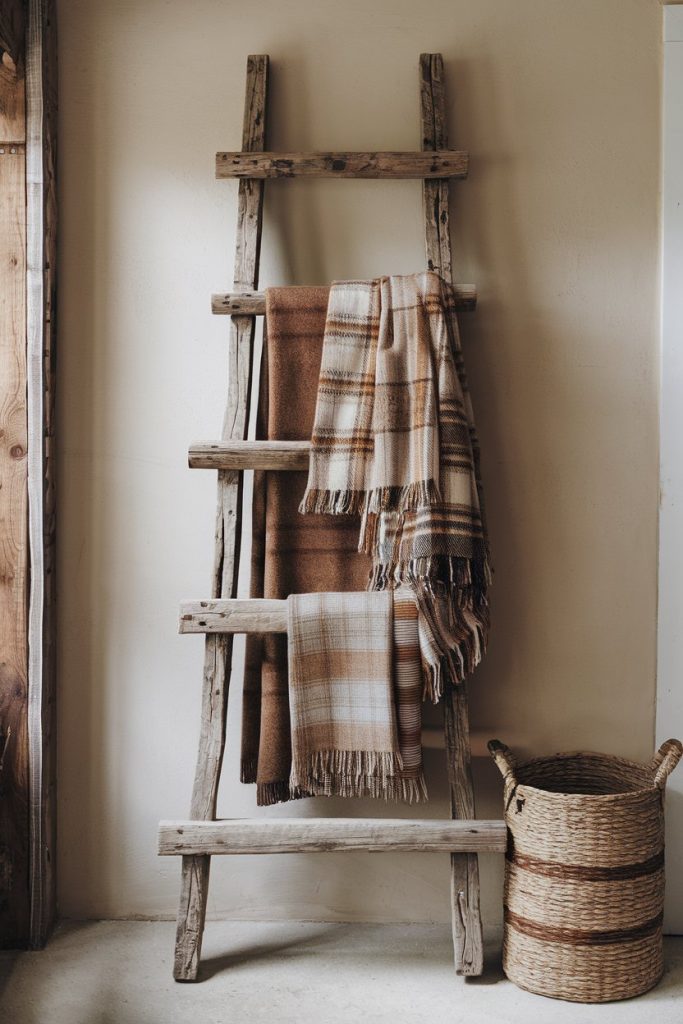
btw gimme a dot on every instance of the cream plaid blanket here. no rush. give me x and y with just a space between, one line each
351 668
394 439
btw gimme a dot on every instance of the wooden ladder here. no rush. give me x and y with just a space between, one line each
222 616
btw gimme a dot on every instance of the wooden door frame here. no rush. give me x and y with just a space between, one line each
28 104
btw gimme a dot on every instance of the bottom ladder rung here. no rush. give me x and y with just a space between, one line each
322 835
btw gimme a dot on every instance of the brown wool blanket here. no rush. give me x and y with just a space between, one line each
343 697
394 440
302 553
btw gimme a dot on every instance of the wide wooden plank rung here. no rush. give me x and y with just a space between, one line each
446 163
254 303
233 615
328 835
274 455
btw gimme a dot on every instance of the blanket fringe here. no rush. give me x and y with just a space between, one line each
408 498
466 579
248 769
335 503
269 793
453 612
350 773
412 791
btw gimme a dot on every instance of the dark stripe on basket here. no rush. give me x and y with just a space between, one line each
582 937
585 873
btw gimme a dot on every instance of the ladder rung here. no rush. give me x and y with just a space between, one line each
324 835
443 163
277 455
230 615
254 303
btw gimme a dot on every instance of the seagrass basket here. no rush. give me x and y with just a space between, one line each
584 872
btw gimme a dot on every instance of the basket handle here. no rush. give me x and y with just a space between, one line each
665 760
505 761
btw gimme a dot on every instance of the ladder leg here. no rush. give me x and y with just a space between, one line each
195 870
194 891
218 650
467 938
466 915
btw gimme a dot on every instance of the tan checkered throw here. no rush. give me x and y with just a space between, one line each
394 439
345 736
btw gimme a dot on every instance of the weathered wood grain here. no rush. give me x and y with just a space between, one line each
247 615
274 455
218 651
446 164
14 552
41 219
234 303
434 137
254 303
12 28
325 835
467 931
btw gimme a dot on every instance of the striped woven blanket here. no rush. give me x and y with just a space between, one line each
394 439
355 695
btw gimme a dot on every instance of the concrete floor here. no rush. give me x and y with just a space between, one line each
119 972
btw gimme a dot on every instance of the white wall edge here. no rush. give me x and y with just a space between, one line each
673 23
669 714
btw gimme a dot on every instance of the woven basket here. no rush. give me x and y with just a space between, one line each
584 873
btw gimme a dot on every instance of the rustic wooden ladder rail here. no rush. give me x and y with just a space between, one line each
222 616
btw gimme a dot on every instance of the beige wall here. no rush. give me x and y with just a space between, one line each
558 103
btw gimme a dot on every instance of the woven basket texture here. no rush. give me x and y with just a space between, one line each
584 873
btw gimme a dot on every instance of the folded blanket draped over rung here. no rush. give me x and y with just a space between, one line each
355 693
394 441
371 372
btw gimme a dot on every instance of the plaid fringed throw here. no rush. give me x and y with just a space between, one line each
347 738
394 439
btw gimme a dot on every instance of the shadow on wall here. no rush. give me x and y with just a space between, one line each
86 350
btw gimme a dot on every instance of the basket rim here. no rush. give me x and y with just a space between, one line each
598 797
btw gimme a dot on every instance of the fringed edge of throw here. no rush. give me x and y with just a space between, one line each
355 773
248 769
420 494
466 578
458 645
320 501
269 793
336 503
412 791
454 585
454 666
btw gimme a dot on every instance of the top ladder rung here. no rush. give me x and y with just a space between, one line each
254 303
443 163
